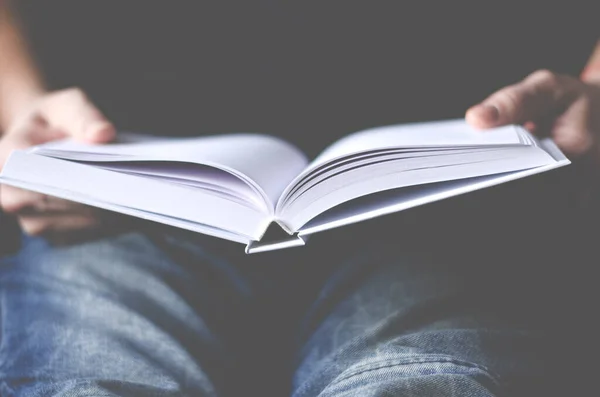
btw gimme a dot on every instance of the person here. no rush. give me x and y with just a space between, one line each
479 295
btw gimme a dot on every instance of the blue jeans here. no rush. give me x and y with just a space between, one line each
166 313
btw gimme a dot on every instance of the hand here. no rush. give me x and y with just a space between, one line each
57 115
561 106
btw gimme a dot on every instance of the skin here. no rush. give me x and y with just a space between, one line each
30 116
564 107
567 108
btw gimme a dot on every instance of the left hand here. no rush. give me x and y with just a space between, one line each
563 107
57 115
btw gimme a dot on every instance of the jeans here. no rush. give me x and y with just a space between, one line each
167 313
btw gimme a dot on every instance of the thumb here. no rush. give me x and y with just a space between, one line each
72 113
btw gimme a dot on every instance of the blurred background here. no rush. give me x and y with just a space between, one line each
310 71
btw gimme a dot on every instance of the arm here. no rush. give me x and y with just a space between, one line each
20 81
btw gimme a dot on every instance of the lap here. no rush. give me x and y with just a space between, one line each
128 315
401 320
139 315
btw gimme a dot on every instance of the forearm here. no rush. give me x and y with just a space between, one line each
20 81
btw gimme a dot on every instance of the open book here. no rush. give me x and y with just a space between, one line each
238 186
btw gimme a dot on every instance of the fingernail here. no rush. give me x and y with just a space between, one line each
100 131
487 113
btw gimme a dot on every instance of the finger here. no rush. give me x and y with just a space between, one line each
40 225
72 112
27 132
14 200
572 130
50 205
540 94
531 126
22 202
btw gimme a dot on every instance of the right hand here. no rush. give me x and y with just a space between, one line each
57 115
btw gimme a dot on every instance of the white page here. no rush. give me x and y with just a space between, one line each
201 176
102 188
420 135
402 199
151 216
213 189
432 158
267 162
406 168
380 177
397 200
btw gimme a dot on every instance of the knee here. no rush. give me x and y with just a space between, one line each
92 388
419 375
38 255
100 265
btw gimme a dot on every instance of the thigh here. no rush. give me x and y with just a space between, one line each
128 315
392 322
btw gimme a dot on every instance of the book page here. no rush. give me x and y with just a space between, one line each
181 206
394 200
414 139
439 134
379 176
265 162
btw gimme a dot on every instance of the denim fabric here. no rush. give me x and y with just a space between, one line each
167 314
